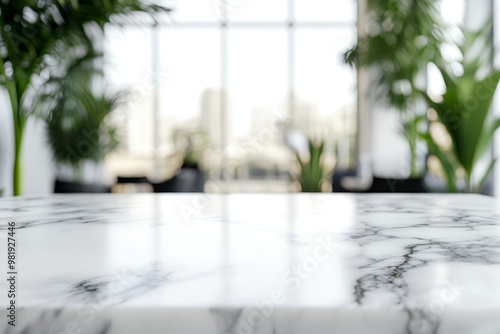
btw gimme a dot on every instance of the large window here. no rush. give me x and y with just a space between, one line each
244 72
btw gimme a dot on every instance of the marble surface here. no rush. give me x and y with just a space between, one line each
263 264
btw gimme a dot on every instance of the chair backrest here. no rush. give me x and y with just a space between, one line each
63 187
186 180
131 179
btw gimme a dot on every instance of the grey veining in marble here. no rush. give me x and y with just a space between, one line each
263 264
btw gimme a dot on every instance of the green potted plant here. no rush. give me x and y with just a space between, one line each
309 152
190 145
312 172
78 127
397 42
189 176
39 38
464 110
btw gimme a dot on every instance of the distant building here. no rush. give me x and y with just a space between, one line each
305 116
138 136
212 117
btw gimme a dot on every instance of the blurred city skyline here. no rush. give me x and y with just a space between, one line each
174 75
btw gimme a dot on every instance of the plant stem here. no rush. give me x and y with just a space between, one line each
17 177
78 172
413 160
468 184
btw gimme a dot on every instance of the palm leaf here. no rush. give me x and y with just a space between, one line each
448 166
487 138
486 175
465 106
40 39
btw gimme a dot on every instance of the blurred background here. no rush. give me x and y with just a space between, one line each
265 96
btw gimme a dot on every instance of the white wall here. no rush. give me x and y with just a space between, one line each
6 149
390 151
37 166
37 160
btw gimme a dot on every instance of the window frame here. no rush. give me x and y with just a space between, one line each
224 25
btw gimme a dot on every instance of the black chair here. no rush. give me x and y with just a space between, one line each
337 177
381 185
131 179
132 185
64 187
392 185
185 180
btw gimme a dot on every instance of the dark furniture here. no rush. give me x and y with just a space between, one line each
64 187
185 180
381 185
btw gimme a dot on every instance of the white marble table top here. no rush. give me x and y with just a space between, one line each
264 264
